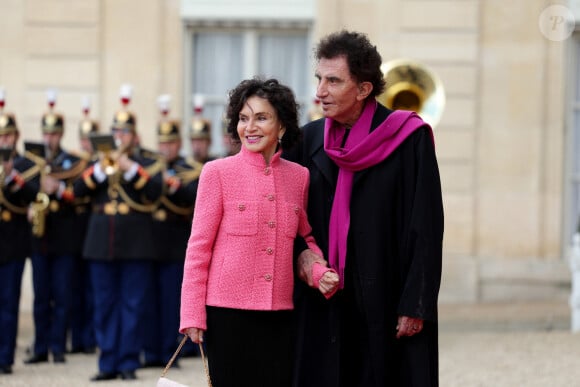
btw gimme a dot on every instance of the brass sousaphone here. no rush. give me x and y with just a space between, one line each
412 86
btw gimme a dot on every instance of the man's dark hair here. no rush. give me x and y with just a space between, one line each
363 59
280 97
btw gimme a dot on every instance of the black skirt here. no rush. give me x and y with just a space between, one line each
247 348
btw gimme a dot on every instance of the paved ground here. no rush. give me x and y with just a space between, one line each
492 345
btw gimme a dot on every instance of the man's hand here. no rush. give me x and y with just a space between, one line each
408 326
49 184
305 261
124 162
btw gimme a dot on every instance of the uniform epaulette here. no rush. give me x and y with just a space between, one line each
81 155
156 167
35 159
187 175
74 172
150 154
35 169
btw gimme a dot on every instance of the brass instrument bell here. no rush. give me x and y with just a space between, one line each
410 85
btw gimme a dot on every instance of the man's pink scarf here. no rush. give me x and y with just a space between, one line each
362 150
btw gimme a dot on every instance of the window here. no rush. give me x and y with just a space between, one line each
222 57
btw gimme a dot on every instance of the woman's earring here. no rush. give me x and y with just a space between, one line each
279 140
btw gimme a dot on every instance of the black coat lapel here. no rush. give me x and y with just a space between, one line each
317 154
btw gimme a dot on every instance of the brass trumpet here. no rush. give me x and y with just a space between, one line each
110 150
109 163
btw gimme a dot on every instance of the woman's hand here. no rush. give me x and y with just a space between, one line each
306 259
195 334
328 283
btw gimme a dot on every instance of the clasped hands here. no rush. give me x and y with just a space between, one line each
406 326
327 284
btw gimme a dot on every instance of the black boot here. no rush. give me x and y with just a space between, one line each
37 358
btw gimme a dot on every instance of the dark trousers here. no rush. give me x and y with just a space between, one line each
249 348
11 280
82 330
120 289
51 278
162 312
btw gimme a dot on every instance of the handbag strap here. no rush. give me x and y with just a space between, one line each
170 362
205 365
181 344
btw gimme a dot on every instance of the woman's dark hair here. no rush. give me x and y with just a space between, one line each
363 59
280 97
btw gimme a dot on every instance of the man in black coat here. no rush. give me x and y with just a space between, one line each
376 210
19 185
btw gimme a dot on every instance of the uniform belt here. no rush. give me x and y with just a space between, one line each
164 215
112 208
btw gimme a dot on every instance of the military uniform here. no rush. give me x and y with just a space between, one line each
200 137
172 225
81 327
120 248
54 252
18 189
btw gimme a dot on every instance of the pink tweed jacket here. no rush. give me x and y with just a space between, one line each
246 218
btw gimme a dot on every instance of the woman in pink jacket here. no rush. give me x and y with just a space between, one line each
238 276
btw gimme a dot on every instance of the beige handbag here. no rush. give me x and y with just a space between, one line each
165 382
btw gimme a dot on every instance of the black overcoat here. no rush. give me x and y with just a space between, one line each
393 264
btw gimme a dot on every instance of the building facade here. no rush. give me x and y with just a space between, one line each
508 141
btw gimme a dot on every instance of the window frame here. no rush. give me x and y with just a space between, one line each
251 32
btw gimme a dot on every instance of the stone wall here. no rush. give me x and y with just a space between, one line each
500 140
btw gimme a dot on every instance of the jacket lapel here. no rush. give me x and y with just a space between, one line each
316 153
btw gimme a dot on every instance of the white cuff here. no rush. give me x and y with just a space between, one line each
99 174
131 172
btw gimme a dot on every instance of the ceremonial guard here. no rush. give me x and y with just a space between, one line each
172 225
231 145
19 183
125 186
56 241
315 112
200 132
87 127
81 327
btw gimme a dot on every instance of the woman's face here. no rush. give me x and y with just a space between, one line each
259 127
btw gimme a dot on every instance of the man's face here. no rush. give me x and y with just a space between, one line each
52 141
200 149
124 137
170 149
340 96
8 140
86 145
